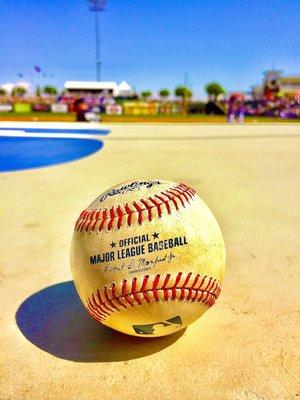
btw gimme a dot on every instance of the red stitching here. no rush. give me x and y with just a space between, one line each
149 209
130 294
172 198
129 214
120 216
98 220
165 202
112 217
178 195
183 193
104 216
145 281
157 205
140 212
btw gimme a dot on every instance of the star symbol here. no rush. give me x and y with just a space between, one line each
155 235
113 244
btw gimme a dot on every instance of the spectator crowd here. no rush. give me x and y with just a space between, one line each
284 107
236 105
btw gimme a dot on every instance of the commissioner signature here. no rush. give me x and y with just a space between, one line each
139 265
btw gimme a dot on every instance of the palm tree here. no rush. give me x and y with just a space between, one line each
146 94
19 91
214 89
185 93
164 93
51 90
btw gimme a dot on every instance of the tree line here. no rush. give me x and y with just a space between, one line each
21 91
213 89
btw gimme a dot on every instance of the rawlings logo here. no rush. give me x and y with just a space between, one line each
136 185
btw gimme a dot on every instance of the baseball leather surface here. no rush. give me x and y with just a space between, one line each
147 257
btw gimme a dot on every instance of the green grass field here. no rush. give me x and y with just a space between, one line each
37 116
160 118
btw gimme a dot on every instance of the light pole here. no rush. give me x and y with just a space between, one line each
97 6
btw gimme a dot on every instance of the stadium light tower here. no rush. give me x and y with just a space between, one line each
97 6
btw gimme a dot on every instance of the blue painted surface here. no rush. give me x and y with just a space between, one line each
54 130
18 153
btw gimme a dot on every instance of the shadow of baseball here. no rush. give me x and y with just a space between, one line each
55 320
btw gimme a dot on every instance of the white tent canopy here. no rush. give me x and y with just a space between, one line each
124 89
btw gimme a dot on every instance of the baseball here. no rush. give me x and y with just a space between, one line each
147 257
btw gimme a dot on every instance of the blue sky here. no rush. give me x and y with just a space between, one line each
151 44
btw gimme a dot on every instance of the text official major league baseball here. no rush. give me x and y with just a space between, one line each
148 257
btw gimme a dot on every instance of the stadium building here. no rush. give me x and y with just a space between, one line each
274 81
95 87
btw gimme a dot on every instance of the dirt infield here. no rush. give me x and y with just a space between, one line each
244 348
